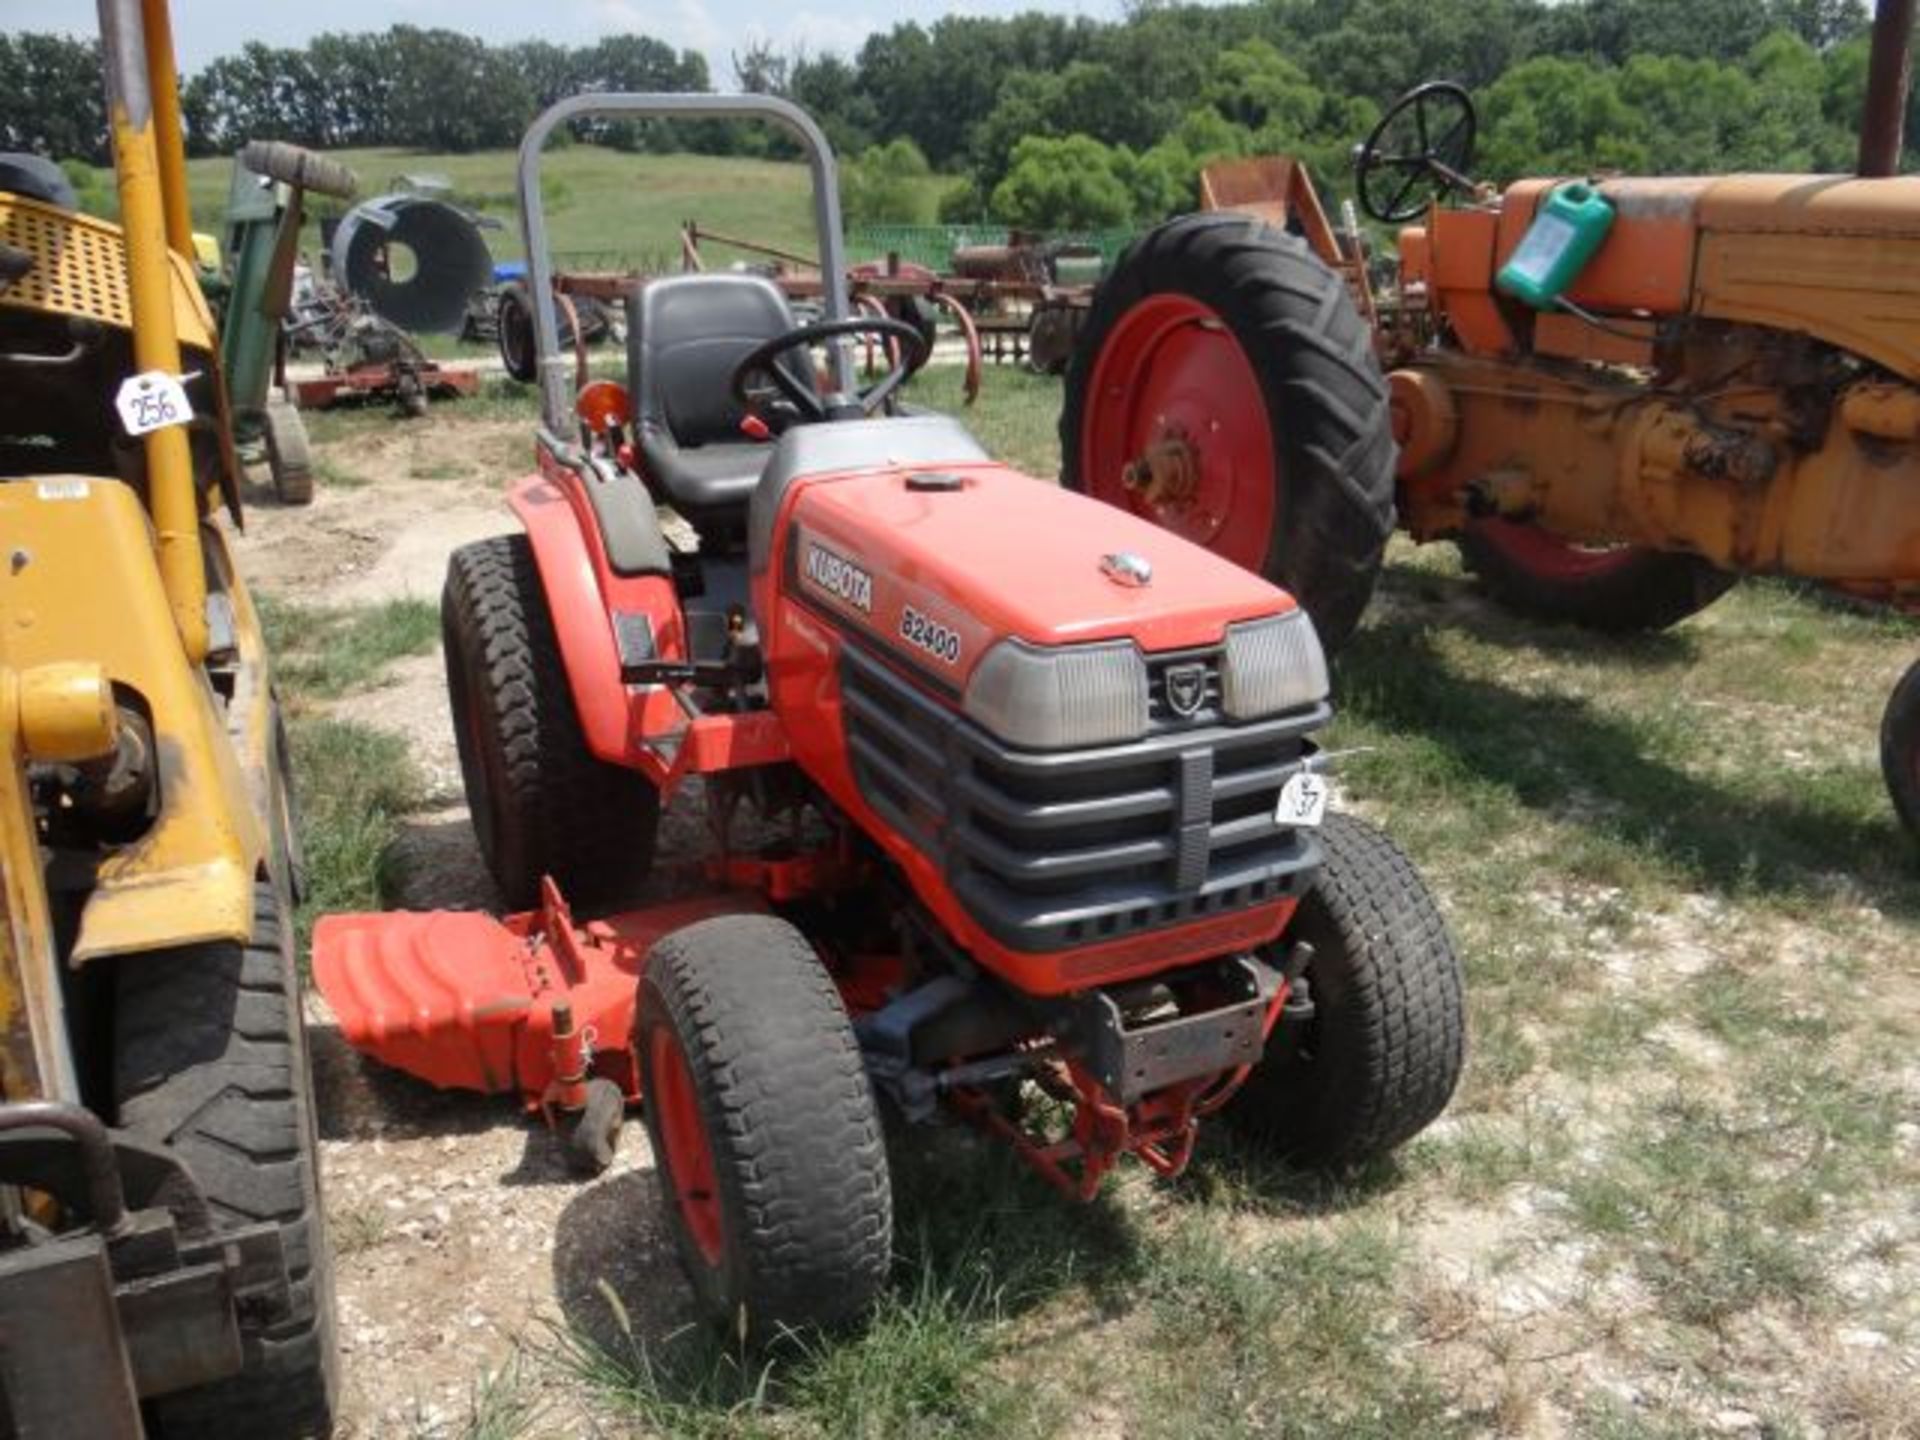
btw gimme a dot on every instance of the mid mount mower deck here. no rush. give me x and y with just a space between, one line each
1011 792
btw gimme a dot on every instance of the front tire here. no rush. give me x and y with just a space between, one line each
1233 340
773 1170
1624 589
542 803
210 1060
1381 1056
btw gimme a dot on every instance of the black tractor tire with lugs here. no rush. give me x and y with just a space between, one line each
210 1060
1633 591
805 1204
289 457
1326 399
542 803
1900 749
1381 1056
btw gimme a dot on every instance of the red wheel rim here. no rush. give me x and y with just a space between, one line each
689 1158
1172 371
1549 557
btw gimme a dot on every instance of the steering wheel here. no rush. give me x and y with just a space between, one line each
908 355
1421 149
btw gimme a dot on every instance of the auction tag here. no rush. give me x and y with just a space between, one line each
1303 800
152 401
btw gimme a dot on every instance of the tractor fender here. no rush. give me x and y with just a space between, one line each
580 618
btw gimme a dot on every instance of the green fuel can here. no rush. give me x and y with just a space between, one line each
1569 227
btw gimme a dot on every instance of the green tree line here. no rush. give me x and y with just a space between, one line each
1058 121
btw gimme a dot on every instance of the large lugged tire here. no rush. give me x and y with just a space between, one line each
542 804
289 459
210 1059
773 1171
1620 589
1227 336
514 334
1900 749
1382 1054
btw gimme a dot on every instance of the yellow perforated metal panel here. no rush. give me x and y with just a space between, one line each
80 269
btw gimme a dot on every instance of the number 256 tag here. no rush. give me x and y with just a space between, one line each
152 400
1303 800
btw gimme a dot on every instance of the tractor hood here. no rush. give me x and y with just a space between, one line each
992 554
1057 620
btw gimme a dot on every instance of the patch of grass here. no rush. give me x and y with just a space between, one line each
1293 1337
363 1227
1711 1208
1016 417
500 1406
440 470
323 652
353 784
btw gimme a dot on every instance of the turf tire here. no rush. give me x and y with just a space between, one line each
805 1202
1382 1055
1646 590
542 804
210 1059
1333 449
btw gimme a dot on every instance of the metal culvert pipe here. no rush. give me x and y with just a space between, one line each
414 260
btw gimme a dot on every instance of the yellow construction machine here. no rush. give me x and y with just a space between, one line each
163 1267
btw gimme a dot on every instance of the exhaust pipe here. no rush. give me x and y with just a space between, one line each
1889 72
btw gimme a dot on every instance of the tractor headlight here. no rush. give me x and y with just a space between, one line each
1272 665
1054 699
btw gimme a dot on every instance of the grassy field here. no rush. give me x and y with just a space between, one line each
598 201
1674 1196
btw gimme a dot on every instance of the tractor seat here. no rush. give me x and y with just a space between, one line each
685 336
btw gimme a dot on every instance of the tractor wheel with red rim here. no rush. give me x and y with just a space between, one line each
1900 749
1224 386
772 1168
1617 588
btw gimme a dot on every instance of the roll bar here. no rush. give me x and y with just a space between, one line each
556 368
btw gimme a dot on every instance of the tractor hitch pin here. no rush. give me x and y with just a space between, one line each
572 1052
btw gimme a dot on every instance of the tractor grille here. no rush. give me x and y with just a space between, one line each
1052 850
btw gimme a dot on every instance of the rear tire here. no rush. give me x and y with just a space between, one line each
210 1059
1322 533
1380 1059
1621 591
1900 749
542 804
772 1166
289 459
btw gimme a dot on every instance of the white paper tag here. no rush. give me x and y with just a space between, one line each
1303 800
152 401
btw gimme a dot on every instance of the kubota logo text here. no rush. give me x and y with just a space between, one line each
840 577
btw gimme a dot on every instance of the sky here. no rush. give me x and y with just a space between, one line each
204 29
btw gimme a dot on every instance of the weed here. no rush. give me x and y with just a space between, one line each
353 782
322 652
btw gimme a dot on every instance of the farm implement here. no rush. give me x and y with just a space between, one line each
1016 814
1617 395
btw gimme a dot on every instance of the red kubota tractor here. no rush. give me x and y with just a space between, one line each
1010 792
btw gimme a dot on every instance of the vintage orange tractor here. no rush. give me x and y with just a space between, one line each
1010 793
1726 382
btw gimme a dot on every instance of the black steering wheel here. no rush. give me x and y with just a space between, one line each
908 354
1421 149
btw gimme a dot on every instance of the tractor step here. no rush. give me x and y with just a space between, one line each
467 1001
